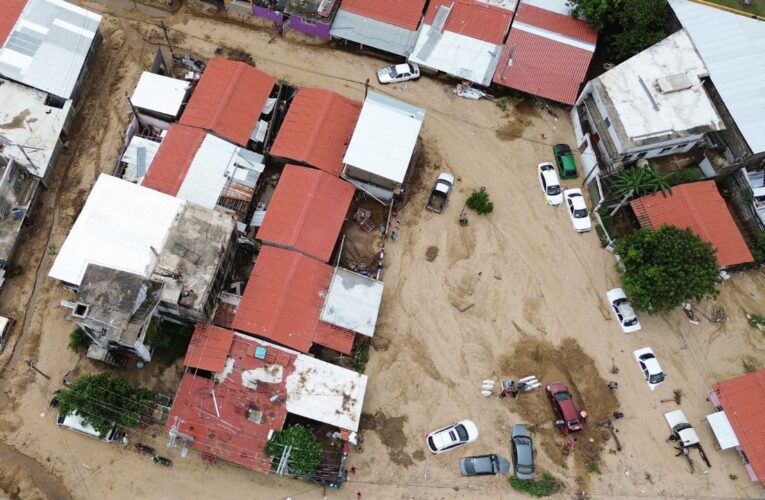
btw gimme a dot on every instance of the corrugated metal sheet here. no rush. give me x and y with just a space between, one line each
699 207
473 19
283 298
173 159
402 13
731 46
229 100
11 12
306 212
743 400
723 431
48 45
335 338
550 55
372 33
208 348
317 129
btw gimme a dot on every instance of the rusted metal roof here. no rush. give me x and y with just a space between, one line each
546 54
208 348
173 159
699 207
283 300
11 12
473 19
306 212
401 13
229 100
317 129
743 400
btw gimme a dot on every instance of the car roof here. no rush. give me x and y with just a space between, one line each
626 310
524 453
652 365
576 197
550 176
481 463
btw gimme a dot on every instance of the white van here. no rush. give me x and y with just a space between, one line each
75 422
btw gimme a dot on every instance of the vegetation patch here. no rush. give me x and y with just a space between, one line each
480 202
169 340
305 455
79 341
543 487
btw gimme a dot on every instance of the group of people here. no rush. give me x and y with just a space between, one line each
510 388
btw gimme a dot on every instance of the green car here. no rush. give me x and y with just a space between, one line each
564 158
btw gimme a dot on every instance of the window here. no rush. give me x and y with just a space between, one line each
665 150
641 155
607 122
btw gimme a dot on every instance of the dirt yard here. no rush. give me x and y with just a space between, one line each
513 293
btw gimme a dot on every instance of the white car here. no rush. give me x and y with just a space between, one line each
577 210
452 436
398 73
649 366
548 179
625 315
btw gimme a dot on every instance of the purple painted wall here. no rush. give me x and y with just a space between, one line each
320 30
271 15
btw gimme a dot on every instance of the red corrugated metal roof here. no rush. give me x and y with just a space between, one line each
208 348
699 207
284 298
473 19
173 159
317 129
229 100
339 339
306 212
402 13
215 415
743 400
12 9
556 23
544 66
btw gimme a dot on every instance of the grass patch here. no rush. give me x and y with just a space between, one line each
593 467
169 340
544 487
756 321
480 202
79 341
732 477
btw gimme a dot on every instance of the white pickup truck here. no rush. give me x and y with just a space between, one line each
681 429
441 191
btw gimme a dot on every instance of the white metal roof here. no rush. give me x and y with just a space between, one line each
353 302
48 46
559 6
121 226
642 110
30 129
326 393
213 165
373 33
722 429
733 48
385 136
130 157
159 93
457 55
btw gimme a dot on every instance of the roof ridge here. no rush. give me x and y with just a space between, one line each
315 180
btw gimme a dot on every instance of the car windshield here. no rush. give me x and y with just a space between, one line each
411 68
552 190
562 396
573 423
580 213
392 72
631 322
656 378
461 432
524 469
469 467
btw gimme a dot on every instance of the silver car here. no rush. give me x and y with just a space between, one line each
523 452
484 465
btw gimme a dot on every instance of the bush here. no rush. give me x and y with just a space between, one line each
480 202
79 341
360 357
601 235
306 453
544 487
684 176
758 249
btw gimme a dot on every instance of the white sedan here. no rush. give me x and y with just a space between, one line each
577 210
452 436
398 73
548 179
623 310
649 366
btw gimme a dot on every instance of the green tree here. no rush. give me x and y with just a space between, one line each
79 341
103 400
480 202
661 269
306 453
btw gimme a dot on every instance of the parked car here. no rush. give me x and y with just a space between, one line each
523 452
649 365
398 73
564 158
625 315
577 210
568 418
484 465
682 431
440 194
548 179
452 436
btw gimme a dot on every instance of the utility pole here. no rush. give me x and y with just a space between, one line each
31 364
167 38
132 108
366 88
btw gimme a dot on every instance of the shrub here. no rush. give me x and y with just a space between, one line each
544 487
480 202
79 341
758 249
306 453
684 176
502 102
14 270
360 357
602 235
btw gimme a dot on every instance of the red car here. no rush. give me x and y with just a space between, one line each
568 418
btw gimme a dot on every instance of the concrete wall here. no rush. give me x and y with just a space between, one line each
271 15
320 30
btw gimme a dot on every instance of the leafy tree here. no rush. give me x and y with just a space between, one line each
638 181
306 453
661 269
79 341
480 202
102 400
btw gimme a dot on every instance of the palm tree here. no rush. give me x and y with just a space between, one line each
638 181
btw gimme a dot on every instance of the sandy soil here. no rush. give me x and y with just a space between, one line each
525 282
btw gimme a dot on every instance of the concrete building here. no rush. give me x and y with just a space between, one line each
383 147
51 48
653 104
160 96
18 193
